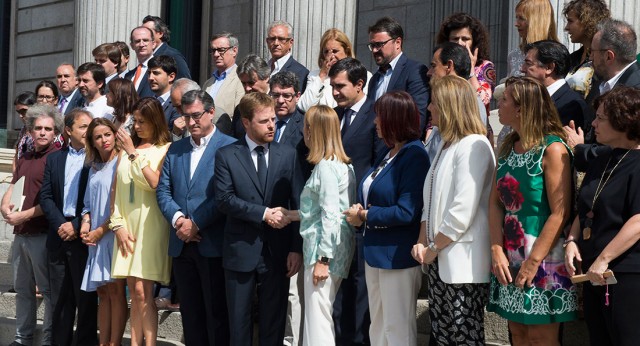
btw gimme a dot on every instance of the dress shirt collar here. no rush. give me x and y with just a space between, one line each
555 86
221 76
252 145
74 152
278 64
203 141
356 106
164 97
608 85
393 64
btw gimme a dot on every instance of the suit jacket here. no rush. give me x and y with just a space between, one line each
395 207
77 101
570 105
240 196
194 197
52 196
144 90
183 68
230 92
237 129
170 113
293 136
459 209
630 77
410 76
361 142
302 72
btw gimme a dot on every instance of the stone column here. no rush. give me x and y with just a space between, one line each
99 21
309 18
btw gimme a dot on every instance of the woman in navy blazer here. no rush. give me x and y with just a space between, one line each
392 194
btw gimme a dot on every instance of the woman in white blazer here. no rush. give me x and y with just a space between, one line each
453 245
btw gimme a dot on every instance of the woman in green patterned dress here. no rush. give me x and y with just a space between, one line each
530 203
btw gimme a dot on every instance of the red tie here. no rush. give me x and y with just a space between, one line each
135 78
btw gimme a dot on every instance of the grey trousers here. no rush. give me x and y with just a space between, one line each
30 268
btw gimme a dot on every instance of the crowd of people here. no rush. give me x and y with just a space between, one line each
328 194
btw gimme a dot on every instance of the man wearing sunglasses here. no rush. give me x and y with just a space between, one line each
396 71
224 85
280 40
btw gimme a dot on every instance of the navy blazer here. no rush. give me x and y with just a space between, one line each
181 62
570 106
193 197
170 113
77 101
394 206
144 90
240 196
361 142
410 76
293 136
301 72
52 197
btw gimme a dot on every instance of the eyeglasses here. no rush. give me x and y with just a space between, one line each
287 96
279 39
377 45
22 111
194 116
45 97
220 50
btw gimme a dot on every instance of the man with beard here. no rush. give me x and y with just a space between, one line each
162 73
91 84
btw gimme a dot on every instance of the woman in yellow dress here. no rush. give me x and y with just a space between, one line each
142 233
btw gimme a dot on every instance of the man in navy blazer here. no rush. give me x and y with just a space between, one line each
162 36
162 73
548 62
396 72
186 198
280 40
253 177
70 97
62 199
142 42
362 144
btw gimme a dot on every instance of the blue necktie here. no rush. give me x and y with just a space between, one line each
279 125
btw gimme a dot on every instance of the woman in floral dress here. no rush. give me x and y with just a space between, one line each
529 205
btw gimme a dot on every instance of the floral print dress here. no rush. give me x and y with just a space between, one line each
521 189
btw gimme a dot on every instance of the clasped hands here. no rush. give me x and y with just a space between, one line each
187 230
14 218
352 215
421 255
278 217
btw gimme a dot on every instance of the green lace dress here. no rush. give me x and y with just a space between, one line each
521 189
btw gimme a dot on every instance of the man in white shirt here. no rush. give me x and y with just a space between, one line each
91 84
280 41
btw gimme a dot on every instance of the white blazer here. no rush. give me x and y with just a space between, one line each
459 208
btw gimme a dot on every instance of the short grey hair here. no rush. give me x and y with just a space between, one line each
233 40
281 23
618 36
254 63
38 111
185 84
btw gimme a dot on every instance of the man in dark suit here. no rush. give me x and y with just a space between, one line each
280 40
613 52
396 72
252 177
162 73
162 35
70 96
142 42
548 62
362 144
186 198
61 200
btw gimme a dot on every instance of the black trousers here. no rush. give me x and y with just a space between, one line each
201 292
66 270
616 324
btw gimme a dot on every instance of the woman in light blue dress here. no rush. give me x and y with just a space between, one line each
328 240
102 156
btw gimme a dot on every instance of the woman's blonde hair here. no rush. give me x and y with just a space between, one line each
541 21
538 115
457 104
324 138
340 37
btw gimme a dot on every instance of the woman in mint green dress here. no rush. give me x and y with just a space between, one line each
529 206
328 240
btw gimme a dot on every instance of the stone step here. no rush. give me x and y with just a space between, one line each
5 249
169 323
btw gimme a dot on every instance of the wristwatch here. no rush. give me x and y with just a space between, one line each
133 156
433 247
324 260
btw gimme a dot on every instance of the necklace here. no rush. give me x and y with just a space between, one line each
586 232
430 232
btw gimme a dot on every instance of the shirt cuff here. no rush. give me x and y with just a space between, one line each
175 218
264 215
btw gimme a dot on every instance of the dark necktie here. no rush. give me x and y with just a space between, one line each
279 125
262 167
384 68
347 121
